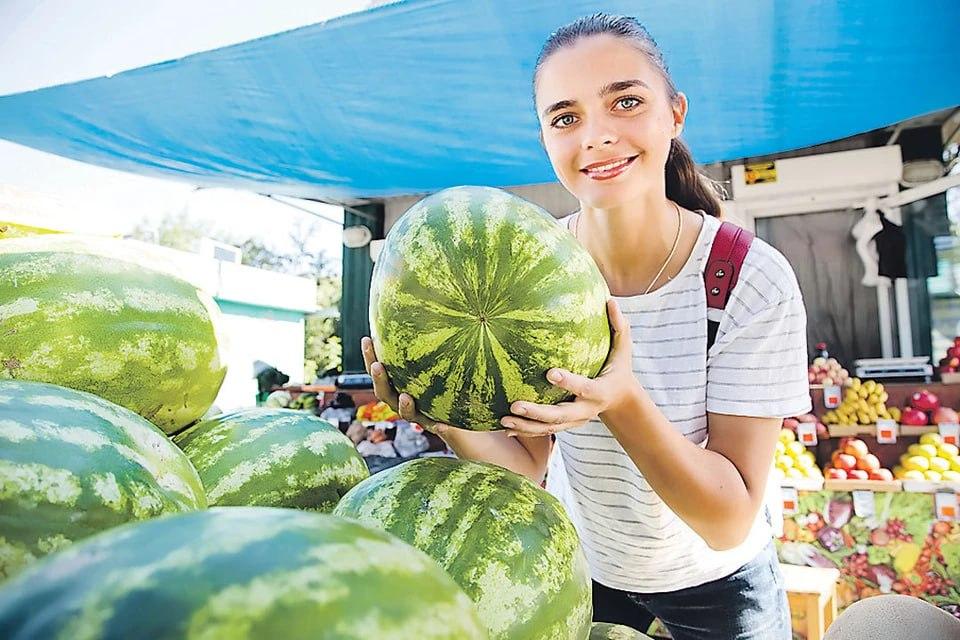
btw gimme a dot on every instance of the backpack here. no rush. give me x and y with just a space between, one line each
722 271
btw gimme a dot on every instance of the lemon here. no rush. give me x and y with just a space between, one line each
931 438
928 450
939 464
781 449
796 449
785 462
951 476
916 463
933 476
913 474
948 451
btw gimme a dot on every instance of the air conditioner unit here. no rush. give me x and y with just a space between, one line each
822 182
222 251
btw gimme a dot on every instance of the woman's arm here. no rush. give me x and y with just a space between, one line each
717 491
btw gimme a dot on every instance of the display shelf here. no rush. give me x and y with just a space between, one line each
862 485
927 486
803 484
903 430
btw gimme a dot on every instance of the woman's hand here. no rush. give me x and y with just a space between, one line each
403 403
614 384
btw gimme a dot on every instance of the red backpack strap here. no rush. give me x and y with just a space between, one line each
722 270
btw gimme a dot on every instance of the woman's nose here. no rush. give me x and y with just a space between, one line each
598 135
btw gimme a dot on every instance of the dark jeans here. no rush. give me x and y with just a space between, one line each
749 604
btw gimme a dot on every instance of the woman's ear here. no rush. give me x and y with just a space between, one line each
679 113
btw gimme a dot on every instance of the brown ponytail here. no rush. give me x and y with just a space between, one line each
688 187
685 185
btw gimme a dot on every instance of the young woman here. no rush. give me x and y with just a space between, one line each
662 460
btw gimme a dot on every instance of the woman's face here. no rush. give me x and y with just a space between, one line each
607 120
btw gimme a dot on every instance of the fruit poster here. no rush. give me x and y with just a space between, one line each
900 548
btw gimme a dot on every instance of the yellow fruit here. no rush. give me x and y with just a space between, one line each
794 473
939 464
850 395
785 462
855 383
951 476
863 392
814 472
955 464
913 474
913 450
933 476
787 436
916 463
803 462
931 438
948 451
895 413
898 472
928 450
906 558
781 448
796 449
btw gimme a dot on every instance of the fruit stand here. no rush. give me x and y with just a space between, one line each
884 511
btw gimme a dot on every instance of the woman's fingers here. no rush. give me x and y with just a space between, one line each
408 411
381 385
369 355
531 428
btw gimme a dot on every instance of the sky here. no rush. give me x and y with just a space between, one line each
48 42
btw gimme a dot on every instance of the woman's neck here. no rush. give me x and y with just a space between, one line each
631 243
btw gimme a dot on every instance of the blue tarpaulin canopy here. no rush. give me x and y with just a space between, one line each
418 95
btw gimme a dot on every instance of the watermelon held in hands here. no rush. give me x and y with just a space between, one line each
239 572
98 315
73 464
475 296
609 631
505 541
273 458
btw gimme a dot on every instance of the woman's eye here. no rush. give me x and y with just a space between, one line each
629 102
564 121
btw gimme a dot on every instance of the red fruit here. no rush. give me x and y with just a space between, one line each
790 423
881 474
822 432
835 474
945 415
953 362
913 417
856 448
953 352
868 463
857 474
846 462
807 417
925 401
956 341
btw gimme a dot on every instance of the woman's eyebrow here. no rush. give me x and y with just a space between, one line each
613 87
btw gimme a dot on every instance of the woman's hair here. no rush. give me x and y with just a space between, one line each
685 185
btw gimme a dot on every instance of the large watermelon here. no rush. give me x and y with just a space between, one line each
232 573
273 458
73 464
507 542
90 314
608 631
475 296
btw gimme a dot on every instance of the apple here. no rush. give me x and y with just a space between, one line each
924 401
858 474
835 474
880 474
945 415
807 417
868 463
822 432
846 462
790 423
953 352
913 417
856 448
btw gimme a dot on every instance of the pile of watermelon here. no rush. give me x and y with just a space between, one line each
126 511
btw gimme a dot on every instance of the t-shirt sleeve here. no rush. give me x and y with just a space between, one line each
758 365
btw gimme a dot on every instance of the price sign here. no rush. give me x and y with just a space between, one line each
886 431
946 505
791 501
832 396
950 432
807 434
863 504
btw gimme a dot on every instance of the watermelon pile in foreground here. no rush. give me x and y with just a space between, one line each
505 541
73 464
239 572
73 313
475 296
273 458
608 631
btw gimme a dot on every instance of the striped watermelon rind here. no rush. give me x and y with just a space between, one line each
88 314
273 458
73 464
475 296
236 573
609 631
505 541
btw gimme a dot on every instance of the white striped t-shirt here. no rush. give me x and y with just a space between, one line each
756 367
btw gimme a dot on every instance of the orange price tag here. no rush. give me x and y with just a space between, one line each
886 431
946 504
791 501
832 396
950 432
807 433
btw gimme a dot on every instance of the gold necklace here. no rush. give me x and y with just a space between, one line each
673 249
